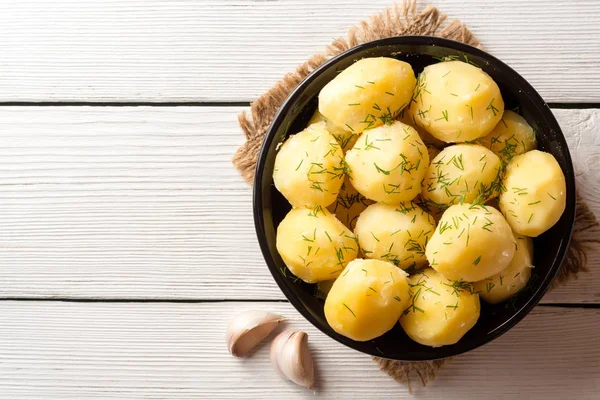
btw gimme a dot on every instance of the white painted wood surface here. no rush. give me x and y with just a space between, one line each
55 350
233 50
142 202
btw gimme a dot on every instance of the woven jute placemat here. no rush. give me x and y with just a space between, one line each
402 19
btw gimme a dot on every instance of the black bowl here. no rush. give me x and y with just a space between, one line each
270 206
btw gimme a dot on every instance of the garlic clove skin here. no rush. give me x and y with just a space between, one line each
292 359
277 347
248 329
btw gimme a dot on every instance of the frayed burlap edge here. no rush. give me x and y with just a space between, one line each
401 19
586 233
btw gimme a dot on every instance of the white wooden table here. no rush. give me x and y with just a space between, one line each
126 236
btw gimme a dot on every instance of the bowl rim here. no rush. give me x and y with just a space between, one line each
428 41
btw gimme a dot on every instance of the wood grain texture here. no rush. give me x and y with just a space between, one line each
233 50
56 350
143 203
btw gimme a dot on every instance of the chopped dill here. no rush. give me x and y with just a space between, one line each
349 309
492 108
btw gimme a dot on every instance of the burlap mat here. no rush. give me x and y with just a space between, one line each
399 20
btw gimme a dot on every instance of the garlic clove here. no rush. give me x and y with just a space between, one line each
277 347
248 329
292 359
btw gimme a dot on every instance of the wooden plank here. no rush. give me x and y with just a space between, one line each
143 202
214 50
56 350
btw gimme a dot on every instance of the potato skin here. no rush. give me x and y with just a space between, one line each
369 93
309 167
471 243
511 137
512 279
462 173
535 195
349 204
397 234
367 299
440 311
456 102
388 163
315 245
345 138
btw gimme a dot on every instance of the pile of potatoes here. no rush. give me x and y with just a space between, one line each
412 198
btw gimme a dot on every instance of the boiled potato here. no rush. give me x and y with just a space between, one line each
513 278
395 233
367 299
440 311
429 140
349 204
511 137
314 244
456 102
463 173
388 163
471 243
535 195
369 93
345 138
309 167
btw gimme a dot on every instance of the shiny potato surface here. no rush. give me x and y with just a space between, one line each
345 138
367 299
508 282
309 167
535 195
462 173
388 163
456 102
441 311
397 234
369 93
511 136
315 245
406 118
471 243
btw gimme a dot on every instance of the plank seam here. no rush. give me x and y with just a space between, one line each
558 105
200 301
